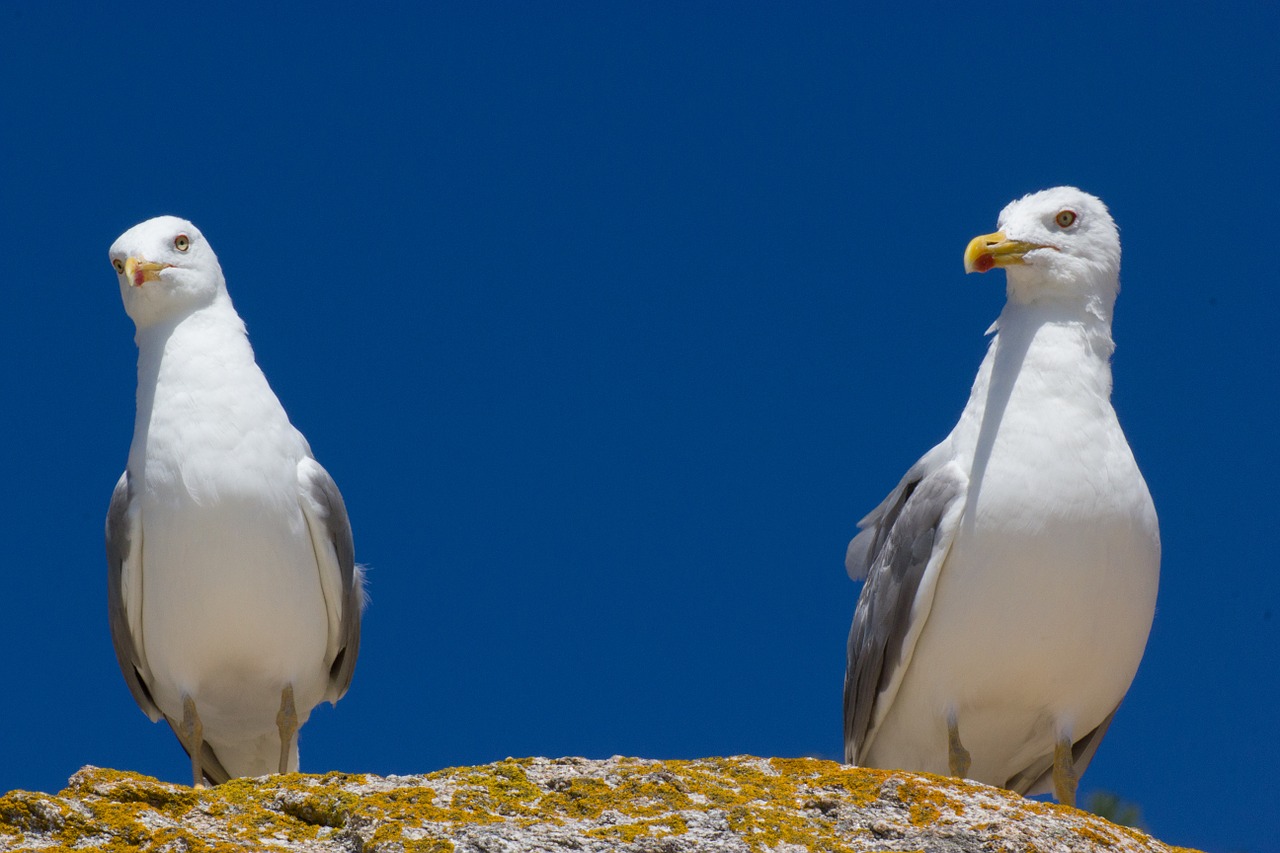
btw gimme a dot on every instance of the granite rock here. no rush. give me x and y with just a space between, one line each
735 805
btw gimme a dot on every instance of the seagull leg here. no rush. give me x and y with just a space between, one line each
958 759
1065 779
193 739
287 722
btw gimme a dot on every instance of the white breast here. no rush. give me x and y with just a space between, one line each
1051 578
232 603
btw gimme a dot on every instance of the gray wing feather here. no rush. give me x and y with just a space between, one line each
211 765
119 535
327 502
875 527
1035 780
895 546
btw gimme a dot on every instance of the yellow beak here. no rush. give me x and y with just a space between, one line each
139 271
995 250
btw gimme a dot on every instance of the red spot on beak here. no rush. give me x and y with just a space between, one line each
984 262
138 278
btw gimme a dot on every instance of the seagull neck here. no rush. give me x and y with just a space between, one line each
1061 321
1047 362
208 346
216 322
1093 295
1043 353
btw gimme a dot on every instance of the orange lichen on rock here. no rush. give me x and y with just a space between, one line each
622 804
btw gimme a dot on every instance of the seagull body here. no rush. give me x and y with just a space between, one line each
233 594
1011 576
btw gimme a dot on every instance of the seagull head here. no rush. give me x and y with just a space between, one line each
166 270
1059 243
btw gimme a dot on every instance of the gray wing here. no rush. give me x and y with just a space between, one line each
336 557
123 528
211 765
875 527
893 551
1038 779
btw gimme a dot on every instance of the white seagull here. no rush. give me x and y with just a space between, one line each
1011 575
233 593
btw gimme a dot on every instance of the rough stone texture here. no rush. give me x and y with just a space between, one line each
735 805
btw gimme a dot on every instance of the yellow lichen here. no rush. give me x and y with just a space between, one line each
768 802
31 812
626 832
429 845
581 798
1095 836
926 803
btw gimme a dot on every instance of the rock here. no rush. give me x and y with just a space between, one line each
540 805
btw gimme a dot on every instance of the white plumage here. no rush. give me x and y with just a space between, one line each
233 592
1012 574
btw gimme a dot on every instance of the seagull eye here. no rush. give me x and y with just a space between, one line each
1065 218
119 265
182 242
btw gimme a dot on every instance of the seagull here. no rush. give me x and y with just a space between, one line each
233 594
1011 575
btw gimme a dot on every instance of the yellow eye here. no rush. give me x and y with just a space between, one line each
1065 218
182 242
119 265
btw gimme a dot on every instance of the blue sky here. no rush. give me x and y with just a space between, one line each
610 321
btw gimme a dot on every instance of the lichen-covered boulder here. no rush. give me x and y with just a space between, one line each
741 804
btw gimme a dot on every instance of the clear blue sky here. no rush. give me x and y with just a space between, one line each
610 320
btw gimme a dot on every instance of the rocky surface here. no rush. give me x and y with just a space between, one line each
741 804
